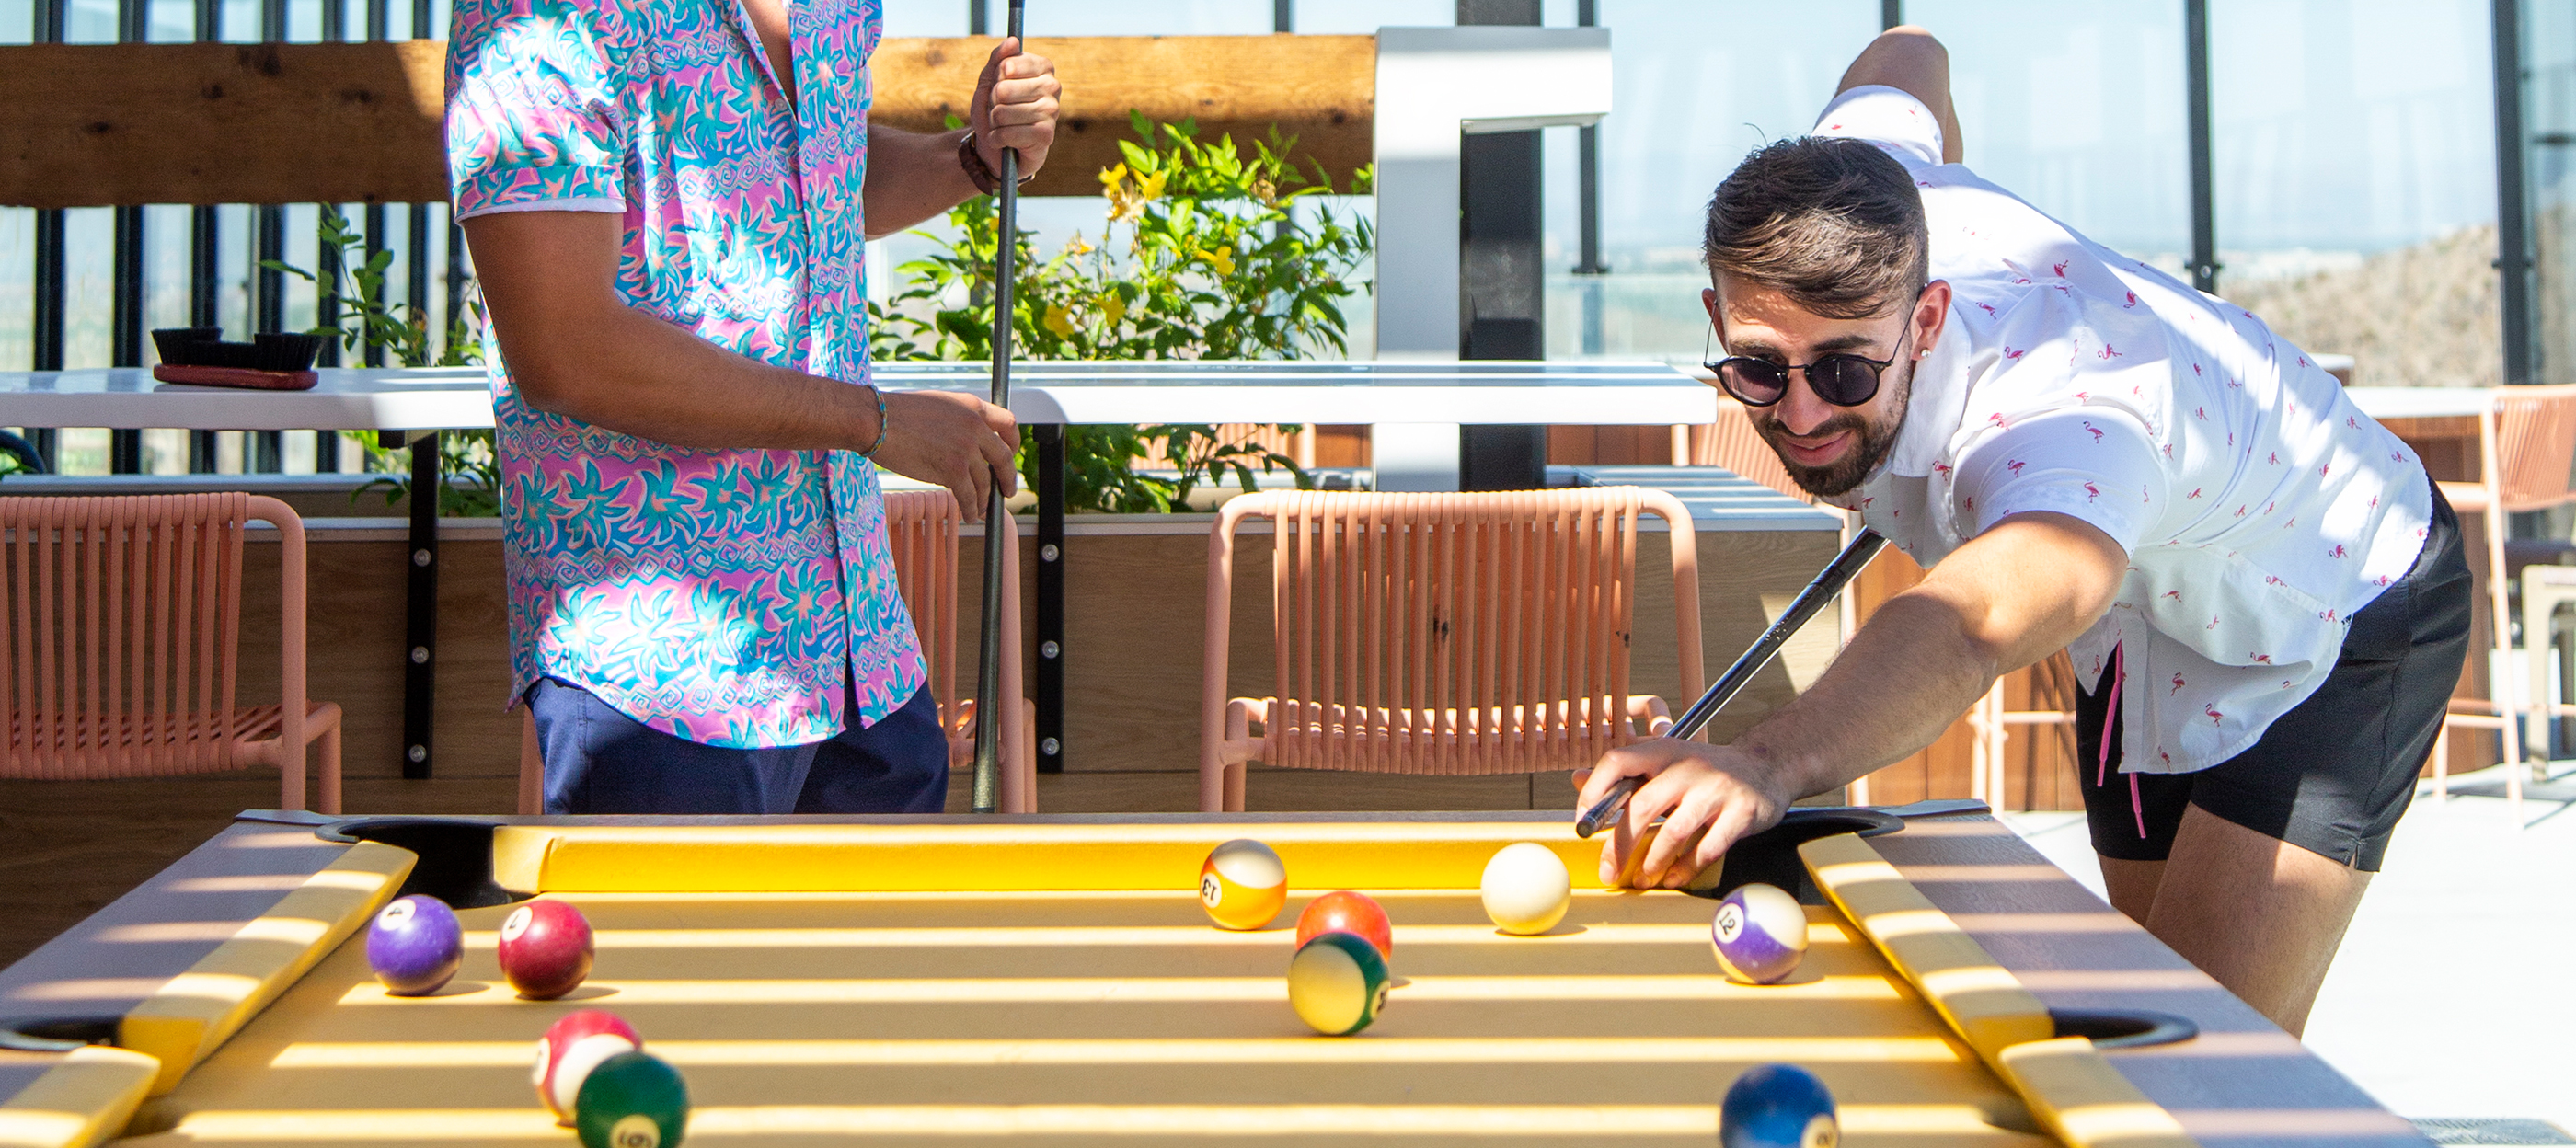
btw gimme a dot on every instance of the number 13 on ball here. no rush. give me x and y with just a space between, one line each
1243 884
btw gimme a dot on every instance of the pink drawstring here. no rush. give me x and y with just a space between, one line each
2102 761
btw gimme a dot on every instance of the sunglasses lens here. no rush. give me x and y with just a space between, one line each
1843 380
1754 382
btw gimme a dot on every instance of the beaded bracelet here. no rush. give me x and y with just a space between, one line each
871 452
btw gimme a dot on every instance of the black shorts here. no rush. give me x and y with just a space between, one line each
2333 775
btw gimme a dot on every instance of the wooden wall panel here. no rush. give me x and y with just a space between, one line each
103 124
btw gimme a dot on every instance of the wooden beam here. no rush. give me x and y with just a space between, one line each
88 125
1320 89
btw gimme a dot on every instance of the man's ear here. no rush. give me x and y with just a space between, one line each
1708 302
1931 316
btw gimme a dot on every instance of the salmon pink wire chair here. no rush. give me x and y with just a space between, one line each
120 621
2526 449
922 526
1446 634
921 529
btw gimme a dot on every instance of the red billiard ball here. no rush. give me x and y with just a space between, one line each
1347 912
545 949
569 1050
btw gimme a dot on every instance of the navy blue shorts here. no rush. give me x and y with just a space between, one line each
2333 775
598 760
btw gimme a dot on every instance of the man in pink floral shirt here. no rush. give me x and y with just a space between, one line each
668 203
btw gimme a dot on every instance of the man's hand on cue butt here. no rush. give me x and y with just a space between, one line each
956 440
1707 797
1015 107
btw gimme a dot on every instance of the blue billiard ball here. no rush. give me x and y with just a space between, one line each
415 945
1778 1106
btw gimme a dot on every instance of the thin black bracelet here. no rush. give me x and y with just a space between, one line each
980 173
871 452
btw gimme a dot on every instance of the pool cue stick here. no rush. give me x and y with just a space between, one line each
988 666
1830 582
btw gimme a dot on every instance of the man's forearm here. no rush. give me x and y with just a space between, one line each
1905 677
912 177
635 374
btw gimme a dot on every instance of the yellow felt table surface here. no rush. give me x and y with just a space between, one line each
1104 1017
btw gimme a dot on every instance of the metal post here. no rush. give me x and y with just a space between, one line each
1283 15
1890 13
1587 156
1502 310
1049 684
420 623
456 273
2204 210
49 265
2513 235
205 231
125 322
979 21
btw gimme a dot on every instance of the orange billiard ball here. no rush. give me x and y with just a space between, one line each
1347 912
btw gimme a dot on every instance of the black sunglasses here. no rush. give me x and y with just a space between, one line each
1841 378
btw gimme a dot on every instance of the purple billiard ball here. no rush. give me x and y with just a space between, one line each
415 945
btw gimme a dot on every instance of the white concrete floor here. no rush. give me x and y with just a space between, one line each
2451 995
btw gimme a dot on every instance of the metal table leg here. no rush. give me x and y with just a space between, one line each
1049 686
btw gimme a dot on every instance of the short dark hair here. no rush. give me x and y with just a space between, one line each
1832 222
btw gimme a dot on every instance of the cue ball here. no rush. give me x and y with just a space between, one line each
1527 889
1347 912
632 1100
570 1049
1760 933
545 949
1778 1106
415 945
1243 884
1337 983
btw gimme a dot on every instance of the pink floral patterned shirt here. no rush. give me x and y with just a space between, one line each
725 596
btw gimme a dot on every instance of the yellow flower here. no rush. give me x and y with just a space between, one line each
1111 178
1266 192
1114 306
1153 184
1059 319
1222 259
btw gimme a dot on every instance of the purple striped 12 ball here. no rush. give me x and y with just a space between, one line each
1760 934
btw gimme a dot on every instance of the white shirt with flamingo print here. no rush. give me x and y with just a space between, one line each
2260 509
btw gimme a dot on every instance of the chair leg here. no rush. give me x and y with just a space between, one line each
329 788
1234 775
2442 764
532 767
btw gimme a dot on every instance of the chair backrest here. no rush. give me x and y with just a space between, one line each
1450 633
2535 446
1298 445
921 526
1730 441
118 643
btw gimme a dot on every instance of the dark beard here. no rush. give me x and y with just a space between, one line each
1870 448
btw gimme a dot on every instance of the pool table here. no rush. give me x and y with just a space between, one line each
1052 979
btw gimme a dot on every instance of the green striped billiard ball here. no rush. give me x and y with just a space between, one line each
1337 983
632 1100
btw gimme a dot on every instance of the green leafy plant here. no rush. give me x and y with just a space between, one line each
1205 254
402 331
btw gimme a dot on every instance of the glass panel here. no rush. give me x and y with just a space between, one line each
2355 181
2078 109
1696 86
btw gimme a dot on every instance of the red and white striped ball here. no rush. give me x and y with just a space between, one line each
571 1048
